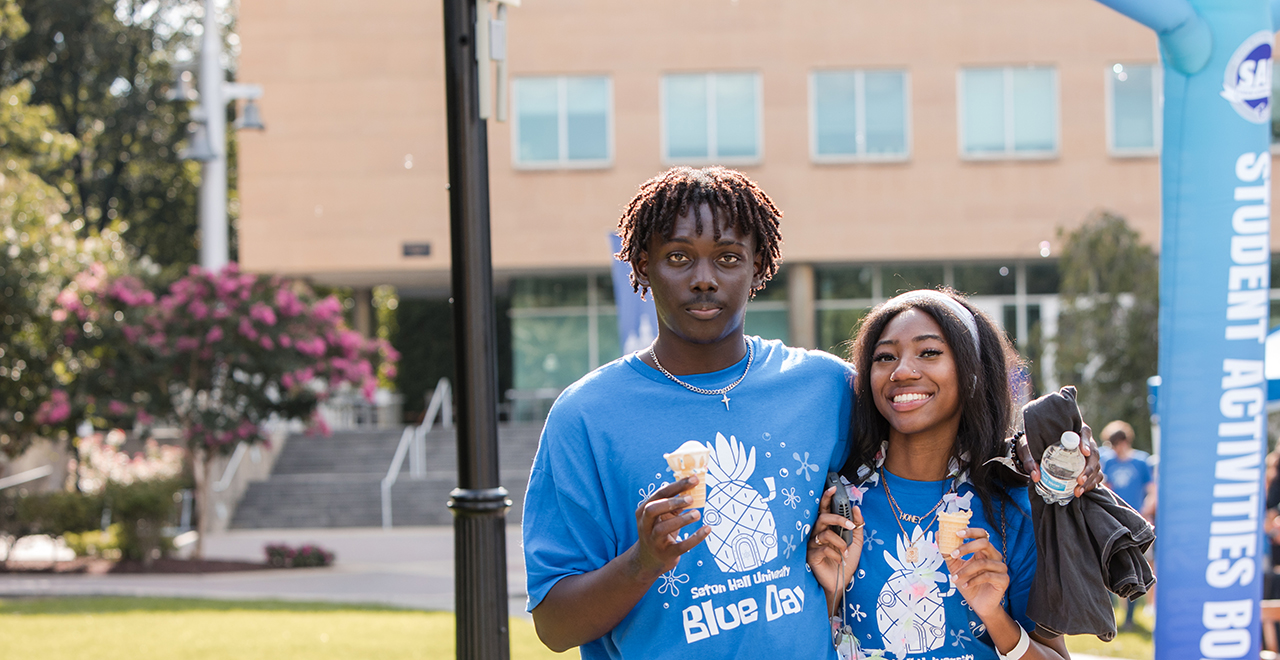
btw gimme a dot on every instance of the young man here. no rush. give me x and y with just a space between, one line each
1128 473
1127 470
616 560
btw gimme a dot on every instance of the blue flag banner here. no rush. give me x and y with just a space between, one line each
1215 260
637 318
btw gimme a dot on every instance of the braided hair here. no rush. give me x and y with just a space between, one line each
734 199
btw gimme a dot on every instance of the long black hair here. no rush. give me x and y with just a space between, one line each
986 399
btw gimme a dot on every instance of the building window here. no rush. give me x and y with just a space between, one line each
1009 112
561 328
562 121
711 117
858 115
1133 110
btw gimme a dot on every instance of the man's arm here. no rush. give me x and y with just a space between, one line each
582 608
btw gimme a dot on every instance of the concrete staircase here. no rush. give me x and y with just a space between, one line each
335 481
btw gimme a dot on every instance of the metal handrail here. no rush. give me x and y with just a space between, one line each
23 477
415 437
232 465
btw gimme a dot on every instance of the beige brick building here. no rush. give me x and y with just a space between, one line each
908 145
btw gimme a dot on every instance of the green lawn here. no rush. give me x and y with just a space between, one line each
163 628
1133 644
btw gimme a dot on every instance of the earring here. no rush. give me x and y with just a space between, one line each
973 386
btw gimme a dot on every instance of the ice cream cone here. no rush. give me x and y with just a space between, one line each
690 460
948 525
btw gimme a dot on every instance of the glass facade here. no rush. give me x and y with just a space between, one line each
859 115
906 277
562 121
1134 112
1008 112
561 328
1015 293
1275 112
711 116
564 326
985 279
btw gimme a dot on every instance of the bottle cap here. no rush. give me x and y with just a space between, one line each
1070 439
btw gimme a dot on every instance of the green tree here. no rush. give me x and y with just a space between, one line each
41 257
217 355
1107 329
34 250
104 68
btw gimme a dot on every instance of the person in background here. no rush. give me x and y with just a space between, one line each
1271 524
1127 470
1128 473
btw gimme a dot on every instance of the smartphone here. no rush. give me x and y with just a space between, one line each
840 503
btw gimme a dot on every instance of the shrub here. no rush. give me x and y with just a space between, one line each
54 513
280 555
95 542
142 508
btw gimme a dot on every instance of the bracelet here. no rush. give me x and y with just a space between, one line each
1019 649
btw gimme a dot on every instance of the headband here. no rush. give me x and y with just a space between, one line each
961 312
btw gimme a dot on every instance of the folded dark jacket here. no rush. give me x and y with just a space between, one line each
1093 545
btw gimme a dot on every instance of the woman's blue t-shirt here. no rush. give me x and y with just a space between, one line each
899 608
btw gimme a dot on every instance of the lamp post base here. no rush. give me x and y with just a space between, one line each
480 572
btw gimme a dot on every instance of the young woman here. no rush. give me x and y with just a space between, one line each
932 407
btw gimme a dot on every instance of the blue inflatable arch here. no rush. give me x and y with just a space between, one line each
1215 262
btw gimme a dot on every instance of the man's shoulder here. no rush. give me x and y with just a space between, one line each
791 358
603 381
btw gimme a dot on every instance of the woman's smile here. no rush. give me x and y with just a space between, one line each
906 401
913 378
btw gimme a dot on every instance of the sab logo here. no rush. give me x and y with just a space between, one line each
1246 83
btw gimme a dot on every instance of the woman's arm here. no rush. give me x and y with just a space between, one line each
983 580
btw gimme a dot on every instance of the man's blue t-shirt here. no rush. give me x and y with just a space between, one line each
1129 477
900 607
745 591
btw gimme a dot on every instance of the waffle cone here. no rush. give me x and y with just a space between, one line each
948 525
691 460
699 490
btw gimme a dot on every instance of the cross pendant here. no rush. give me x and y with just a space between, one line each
725 400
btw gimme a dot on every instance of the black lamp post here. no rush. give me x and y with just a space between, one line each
479 503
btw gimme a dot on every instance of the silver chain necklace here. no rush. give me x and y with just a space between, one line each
722 391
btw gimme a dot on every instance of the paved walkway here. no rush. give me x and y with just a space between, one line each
406 567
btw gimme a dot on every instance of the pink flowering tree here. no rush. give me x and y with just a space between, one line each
216 354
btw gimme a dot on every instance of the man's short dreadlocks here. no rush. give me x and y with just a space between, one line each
664 197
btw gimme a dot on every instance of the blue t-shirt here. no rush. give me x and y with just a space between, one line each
745 591
1128 478
899 608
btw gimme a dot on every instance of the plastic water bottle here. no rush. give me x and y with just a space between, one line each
1059 468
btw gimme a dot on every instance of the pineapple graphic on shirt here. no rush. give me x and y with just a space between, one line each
744 535
909 610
